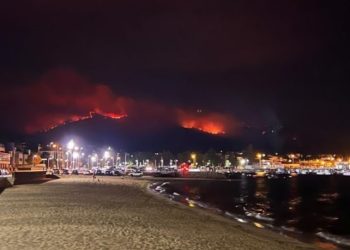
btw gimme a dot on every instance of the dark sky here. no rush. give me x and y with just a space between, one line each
279 64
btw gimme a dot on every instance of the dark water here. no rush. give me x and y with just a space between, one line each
314 209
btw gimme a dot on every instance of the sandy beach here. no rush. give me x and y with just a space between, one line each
116 213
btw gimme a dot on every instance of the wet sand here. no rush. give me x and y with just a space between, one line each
116 213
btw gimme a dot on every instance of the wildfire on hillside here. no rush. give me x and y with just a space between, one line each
63 96
76 118
212 123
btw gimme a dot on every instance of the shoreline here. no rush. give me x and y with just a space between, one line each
246 223
226 216
124 210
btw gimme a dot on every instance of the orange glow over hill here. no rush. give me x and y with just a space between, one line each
212 123
62 96
207 127
76 118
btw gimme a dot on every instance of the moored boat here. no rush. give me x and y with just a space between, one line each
279 174
233 175
260 173
346 173
293 174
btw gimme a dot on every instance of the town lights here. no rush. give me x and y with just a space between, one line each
93 158
259 156
292 156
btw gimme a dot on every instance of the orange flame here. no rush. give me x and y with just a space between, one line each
207 127
108 114
212 123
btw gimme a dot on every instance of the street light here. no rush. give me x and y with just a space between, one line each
242 162
93 159
194 157
75 155
259 156
70 145
106 155
292 156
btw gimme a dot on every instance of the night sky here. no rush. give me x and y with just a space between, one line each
220 66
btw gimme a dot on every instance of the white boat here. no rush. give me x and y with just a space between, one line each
347 173
323 172
260 173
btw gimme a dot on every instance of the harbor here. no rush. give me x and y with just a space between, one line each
289 196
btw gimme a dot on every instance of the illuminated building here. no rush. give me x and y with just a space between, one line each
5 161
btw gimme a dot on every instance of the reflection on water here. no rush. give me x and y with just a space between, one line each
312 208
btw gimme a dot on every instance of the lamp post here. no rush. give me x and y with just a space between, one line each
70 147
194 158
118 160
259 156
75 156
106 156
92 160
125 157
55 153
292 156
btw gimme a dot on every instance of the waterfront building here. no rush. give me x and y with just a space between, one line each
18 158
5 159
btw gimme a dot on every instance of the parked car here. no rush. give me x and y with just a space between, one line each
56 171
75 172
49 172
65 171
166 172
87 172
136 173
4 172
109 172
118 172
98 172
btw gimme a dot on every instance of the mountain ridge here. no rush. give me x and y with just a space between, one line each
127 134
